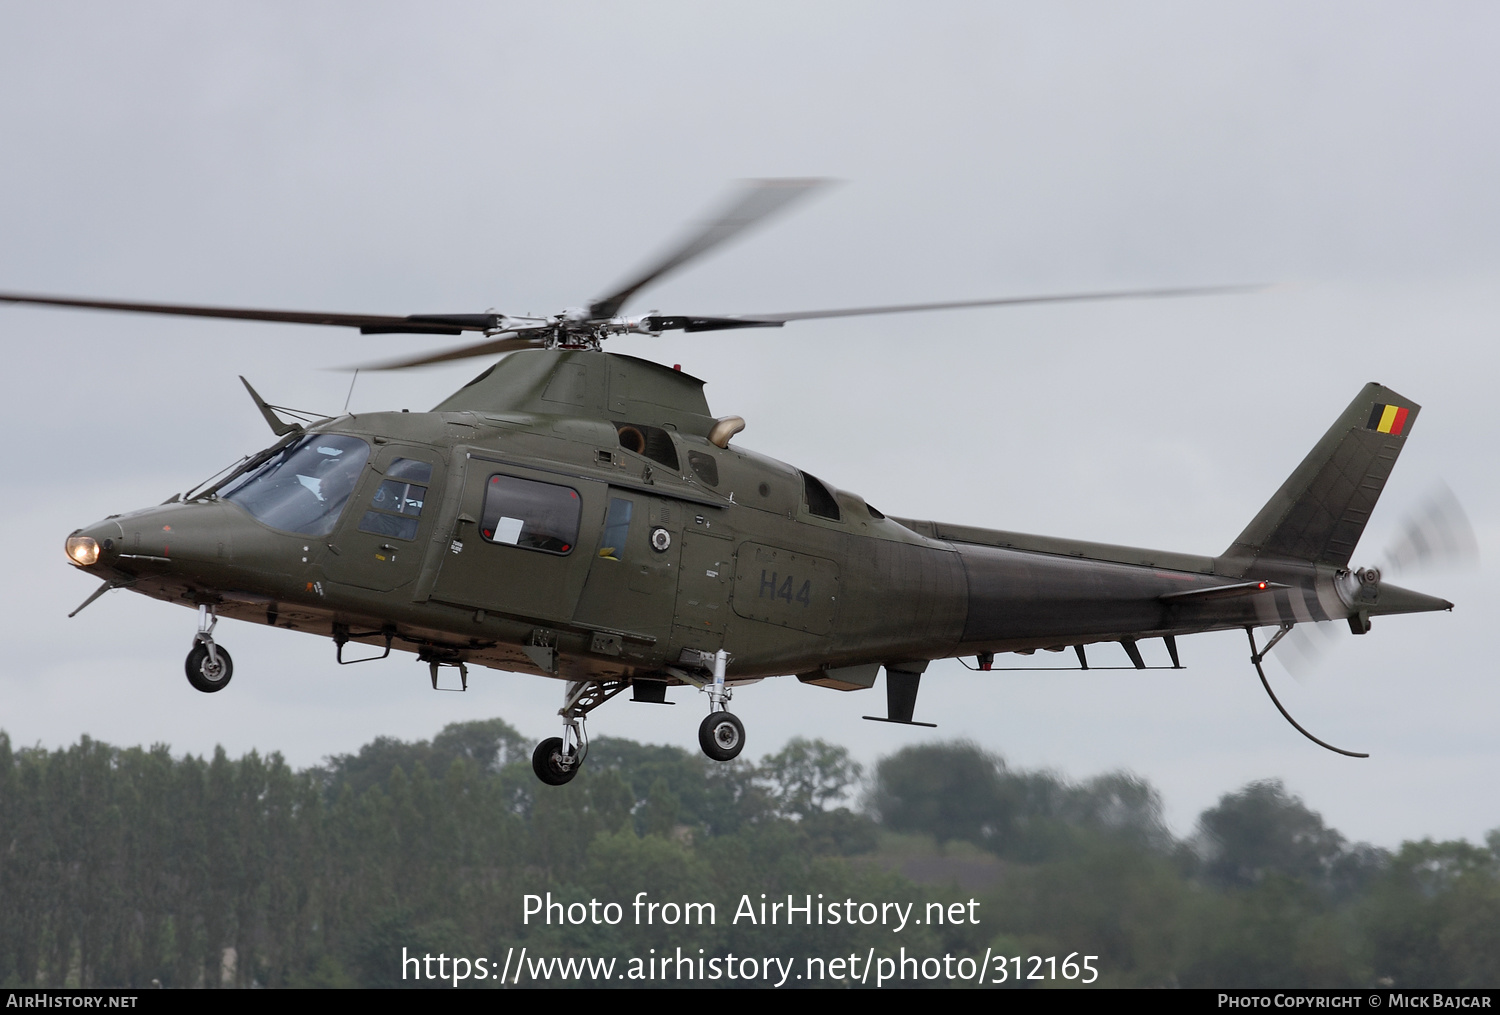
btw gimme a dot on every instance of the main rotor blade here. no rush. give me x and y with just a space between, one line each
370 324
759 200
462 352
717 323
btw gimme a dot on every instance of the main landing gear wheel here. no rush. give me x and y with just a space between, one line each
547 763
722 736
204 673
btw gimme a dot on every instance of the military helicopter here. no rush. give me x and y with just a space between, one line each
582 515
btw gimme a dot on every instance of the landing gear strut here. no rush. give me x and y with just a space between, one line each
208 666
721 735
557 759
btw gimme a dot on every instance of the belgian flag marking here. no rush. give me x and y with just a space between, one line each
1389 419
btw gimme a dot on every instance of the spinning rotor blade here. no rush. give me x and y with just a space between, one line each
756 201
759 200
490 348
1437 535
697 323
1305 648
664 323
369 324
659 322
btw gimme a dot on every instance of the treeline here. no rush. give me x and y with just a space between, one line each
128 867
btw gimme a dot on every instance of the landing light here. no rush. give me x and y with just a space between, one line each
83 550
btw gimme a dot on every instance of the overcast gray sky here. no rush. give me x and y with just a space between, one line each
452 158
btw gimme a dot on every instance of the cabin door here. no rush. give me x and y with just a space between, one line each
521 542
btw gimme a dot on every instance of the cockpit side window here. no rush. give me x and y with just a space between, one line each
304 487
413 469
397 504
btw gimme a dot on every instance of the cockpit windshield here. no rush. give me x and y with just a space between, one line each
302 488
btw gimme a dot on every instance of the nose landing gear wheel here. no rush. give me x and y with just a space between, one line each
546 763
722 736
205 674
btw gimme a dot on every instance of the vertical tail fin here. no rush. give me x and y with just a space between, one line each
1320 512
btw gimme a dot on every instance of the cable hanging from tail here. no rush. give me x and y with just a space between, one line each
1256 656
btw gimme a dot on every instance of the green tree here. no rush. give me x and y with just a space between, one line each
490 744
949 791
806 776
1435 916
1262 830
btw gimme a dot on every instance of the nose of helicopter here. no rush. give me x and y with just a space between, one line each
158 539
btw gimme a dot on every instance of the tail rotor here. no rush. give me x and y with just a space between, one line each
1435 537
